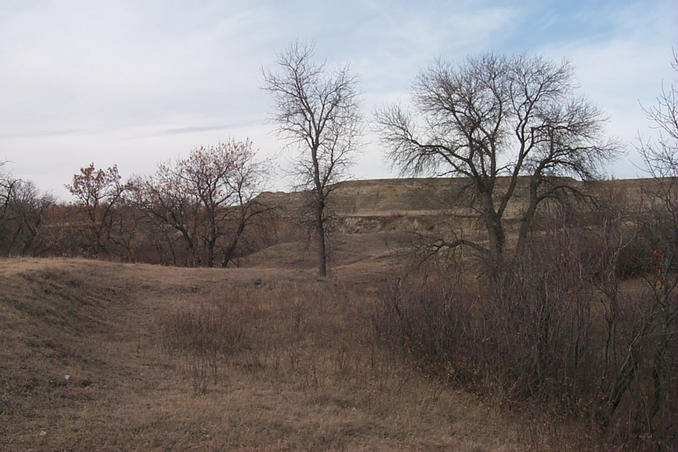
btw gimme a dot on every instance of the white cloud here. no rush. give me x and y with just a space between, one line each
135 83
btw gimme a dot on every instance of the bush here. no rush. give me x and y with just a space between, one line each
203 337
557 331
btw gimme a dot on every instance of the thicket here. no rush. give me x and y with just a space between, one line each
563 328
581 313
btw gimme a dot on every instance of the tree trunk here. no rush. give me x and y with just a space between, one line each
320 230
497 240
528 217
190 250
495 231
320 199
211 244
228 252
213 236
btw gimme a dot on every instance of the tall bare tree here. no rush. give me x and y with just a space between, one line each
317 111
496 116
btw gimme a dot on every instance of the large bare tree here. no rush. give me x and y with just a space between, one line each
495 116
317 110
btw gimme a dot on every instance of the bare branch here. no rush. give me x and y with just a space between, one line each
316 110
496 116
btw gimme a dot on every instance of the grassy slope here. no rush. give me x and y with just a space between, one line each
310 376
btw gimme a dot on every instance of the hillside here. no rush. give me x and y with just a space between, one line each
379 220
421 196
106 356
92 358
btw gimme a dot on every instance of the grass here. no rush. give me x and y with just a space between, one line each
246 358
302 372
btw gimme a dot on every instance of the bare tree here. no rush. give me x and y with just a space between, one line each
224 178
7 190
207 198
661 153
23 210
166 199
98 192
495 116
655 339
30 209
316 110
244 184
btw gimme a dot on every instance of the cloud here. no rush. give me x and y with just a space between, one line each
204 128
624 69
40 133
135 83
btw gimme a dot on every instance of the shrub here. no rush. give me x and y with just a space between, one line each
558 331
204 336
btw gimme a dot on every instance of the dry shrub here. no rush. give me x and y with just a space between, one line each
557 331
428 323
204 336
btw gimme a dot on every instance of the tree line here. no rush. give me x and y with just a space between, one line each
192 211
491 120
492 117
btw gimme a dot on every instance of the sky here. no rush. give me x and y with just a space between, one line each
134 83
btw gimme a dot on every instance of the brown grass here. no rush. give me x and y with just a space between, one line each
305 374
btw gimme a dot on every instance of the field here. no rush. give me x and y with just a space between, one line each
85 364
111 356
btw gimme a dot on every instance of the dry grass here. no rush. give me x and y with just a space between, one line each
297 369
306 374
